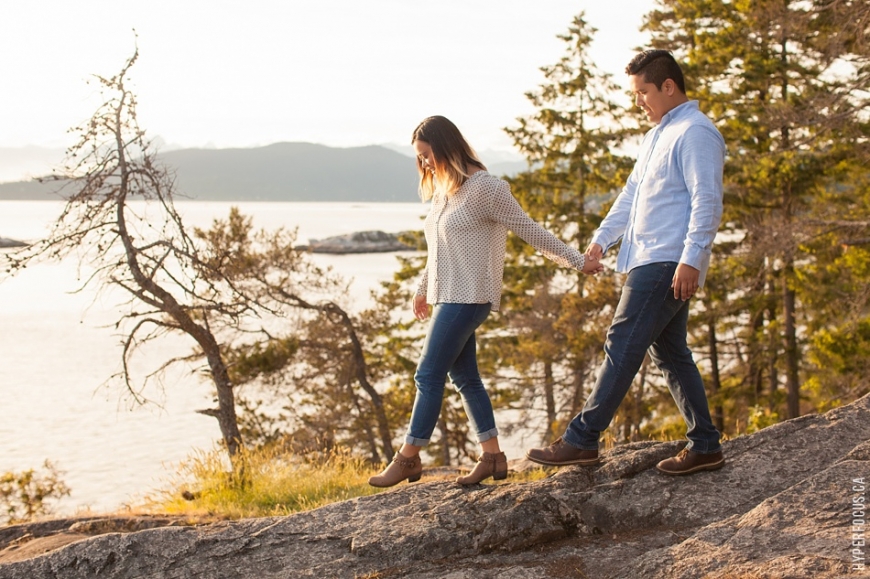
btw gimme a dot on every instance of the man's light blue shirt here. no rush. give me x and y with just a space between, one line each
671 205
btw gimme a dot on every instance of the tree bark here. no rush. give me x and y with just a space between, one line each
157 296
792 382
550 396
361 375
715 378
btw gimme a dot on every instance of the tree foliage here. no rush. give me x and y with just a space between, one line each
27 495
339 379
546 342
786 82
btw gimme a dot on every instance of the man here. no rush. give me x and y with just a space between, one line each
667 216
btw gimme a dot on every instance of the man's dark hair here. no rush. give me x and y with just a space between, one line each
657 66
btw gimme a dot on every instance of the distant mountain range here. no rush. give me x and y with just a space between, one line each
281 172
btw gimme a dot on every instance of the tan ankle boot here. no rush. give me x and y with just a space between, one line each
400 469
488 465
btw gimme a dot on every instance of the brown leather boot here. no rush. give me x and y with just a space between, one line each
560 453
488 465
400 469
689 461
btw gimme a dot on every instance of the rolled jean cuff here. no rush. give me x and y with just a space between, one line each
694 447
484 436
416 441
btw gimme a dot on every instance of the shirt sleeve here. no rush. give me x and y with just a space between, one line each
505 209
613 226
702 155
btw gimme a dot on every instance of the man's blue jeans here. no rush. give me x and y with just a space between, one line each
450 349
647 317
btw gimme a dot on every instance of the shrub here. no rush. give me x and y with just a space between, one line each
25 496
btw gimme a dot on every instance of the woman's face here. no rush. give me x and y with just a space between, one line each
425 155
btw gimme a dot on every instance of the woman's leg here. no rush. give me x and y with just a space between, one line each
449 338
450 328
465 376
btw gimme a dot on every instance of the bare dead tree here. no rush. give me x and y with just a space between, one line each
120 221
265 265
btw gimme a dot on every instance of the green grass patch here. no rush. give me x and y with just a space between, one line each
265 482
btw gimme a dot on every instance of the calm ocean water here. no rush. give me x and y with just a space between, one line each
57 348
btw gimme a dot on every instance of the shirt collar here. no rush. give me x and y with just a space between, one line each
679 111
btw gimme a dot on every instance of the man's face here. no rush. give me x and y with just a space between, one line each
654 102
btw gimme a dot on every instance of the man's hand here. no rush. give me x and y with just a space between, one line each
595 252
421 308
685 281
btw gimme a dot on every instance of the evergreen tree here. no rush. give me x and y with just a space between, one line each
786 82
554 323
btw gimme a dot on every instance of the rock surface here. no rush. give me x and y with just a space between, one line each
781 507
359 242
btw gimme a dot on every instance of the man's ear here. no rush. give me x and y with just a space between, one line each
669 86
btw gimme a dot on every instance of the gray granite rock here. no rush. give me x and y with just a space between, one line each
358 242
6 242
781 507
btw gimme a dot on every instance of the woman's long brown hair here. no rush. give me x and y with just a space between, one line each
453 157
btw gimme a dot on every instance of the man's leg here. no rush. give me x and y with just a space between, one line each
672 355
639 317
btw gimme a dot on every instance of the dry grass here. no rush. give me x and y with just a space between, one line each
274 483
277 483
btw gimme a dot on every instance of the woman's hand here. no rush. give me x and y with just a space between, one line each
592 266
421 308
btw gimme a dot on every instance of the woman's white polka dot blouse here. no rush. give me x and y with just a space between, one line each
467 233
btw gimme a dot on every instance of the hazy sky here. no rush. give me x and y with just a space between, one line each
338 72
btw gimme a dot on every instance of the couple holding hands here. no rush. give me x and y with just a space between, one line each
666 216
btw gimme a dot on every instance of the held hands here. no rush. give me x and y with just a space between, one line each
685 281
593 254
421 308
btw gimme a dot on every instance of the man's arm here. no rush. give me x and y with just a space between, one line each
702 157
613 226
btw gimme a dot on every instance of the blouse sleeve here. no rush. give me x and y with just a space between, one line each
505 209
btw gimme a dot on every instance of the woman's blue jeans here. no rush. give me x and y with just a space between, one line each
451 350
648 317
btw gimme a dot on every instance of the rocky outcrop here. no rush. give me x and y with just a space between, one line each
21 542
359 242
781 507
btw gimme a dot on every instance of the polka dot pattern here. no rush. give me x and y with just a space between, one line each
467 234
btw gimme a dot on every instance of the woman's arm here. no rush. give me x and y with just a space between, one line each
505 209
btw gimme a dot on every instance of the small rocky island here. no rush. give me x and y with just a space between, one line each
6 242
358 242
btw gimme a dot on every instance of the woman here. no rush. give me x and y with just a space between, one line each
466 233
